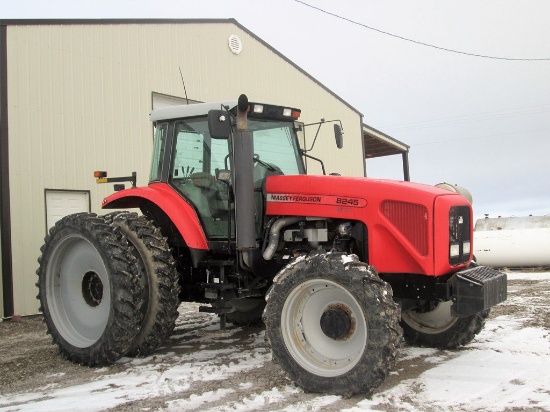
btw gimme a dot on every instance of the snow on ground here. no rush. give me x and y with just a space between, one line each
492 374
507 366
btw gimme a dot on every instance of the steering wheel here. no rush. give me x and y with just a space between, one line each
264 164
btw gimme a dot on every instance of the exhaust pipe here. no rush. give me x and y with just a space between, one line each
243 181
275 233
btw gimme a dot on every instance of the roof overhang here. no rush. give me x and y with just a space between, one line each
378 144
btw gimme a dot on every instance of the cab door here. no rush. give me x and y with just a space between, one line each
196 158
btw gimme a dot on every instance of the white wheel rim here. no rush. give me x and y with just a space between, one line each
304 337
78 291
435 321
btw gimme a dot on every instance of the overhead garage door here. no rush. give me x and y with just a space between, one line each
60 203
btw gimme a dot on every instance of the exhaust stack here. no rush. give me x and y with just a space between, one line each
243 166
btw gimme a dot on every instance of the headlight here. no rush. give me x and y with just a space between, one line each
454 251
466 248
459 235
258 108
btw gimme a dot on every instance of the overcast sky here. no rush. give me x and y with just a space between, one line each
478 122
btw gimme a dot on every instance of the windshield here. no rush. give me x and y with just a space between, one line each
275 143
196 159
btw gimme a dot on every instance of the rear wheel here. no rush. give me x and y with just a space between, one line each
332 324
438 328
88 293
157 276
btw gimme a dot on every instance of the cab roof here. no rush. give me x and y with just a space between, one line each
188 110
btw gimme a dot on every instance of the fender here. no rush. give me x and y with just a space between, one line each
176 208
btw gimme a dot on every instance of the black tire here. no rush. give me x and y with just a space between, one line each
439 329
88 292
158 278
248 312
332 324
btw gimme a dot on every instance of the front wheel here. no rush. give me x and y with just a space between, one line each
332 324
438 328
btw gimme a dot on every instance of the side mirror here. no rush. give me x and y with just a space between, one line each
338 136
219 125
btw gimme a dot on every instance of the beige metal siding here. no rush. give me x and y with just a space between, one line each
79 98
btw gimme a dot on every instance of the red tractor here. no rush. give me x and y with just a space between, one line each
340 269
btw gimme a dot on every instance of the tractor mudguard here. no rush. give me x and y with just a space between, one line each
176 208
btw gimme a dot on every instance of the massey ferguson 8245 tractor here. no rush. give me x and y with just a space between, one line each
340 269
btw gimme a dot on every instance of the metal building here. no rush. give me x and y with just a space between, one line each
75 97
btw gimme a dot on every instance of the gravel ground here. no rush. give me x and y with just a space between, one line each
202 368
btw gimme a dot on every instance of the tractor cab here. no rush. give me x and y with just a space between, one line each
199 166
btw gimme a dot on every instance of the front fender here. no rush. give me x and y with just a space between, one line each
176 208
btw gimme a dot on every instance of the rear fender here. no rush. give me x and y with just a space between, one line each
182 215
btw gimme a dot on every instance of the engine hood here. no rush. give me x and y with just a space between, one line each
407 223
345 193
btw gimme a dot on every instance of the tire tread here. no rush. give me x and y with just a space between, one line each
124 317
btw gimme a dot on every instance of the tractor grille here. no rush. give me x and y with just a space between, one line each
411 220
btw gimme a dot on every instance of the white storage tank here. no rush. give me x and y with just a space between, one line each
512 241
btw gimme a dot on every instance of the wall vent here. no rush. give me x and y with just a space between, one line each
235 44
